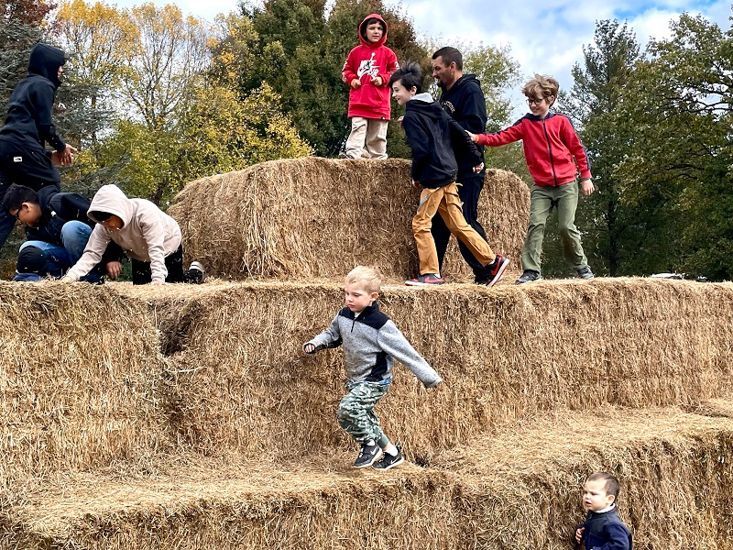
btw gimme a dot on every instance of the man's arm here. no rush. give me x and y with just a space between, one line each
461 140
473 111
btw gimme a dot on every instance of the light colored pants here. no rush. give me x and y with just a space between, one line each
368 138
543 200
445 202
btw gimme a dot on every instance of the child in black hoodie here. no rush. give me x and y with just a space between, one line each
29 126
430 131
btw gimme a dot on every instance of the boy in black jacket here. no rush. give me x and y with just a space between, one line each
29 126
58 229
430 133
603 529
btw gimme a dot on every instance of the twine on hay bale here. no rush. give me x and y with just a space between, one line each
315 217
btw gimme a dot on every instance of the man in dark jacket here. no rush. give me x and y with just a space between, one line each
432 134
29 126
58 229
462 99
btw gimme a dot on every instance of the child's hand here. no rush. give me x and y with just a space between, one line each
579 534
474 137
355 83
113 269
477 169
377 81
587 187
415 184
309 348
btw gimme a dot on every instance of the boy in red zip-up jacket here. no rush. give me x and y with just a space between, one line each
554 156
366 71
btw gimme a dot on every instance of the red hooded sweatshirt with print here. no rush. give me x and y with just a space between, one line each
367 61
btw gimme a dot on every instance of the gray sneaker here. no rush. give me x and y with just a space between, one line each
585 273
528 276
368 455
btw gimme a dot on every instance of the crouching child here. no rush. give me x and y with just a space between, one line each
150 237
371 342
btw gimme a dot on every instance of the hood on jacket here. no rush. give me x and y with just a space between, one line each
427 106
45 61
111 200
362 30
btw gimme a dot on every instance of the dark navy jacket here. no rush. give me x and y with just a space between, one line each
465 102
606 531
433 135
29 119
57 209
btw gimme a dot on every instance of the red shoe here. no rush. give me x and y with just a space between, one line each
495 270
426 280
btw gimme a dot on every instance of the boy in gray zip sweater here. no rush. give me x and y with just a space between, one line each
371 343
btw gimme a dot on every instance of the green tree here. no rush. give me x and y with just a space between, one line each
595 102
679 168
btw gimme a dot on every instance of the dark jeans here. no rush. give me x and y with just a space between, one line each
469 192
141 274
24 165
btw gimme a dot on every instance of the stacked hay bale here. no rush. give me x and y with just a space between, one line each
243 385
317 218
79 379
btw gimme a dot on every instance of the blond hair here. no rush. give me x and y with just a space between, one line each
541 85
369 278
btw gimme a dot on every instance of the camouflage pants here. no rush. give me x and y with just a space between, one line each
356 411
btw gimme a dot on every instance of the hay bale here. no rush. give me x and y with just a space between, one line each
314 217
79 374
242 386
517 490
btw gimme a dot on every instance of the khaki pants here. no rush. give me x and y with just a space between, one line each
368 138
445 202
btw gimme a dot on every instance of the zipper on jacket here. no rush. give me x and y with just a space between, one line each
549 152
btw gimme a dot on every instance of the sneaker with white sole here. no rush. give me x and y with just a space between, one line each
368 455
195 274
390 461
495 270
426 280
528 276
585 272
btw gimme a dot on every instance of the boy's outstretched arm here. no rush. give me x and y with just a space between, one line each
392 341
329 338
505 137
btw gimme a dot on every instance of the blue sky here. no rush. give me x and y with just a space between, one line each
545 36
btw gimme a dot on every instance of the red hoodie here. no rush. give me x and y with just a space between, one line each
367 61
552 149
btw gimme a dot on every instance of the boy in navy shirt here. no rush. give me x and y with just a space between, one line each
603 529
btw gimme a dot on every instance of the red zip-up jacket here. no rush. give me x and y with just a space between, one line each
368 61
552 149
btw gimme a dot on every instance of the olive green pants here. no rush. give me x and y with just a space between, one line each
543 200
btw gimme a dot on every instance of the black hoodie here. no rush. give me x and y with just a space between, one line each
432 136
465 102
29 118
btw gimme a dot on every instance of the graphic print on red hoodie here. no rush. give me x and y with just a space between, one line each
366 62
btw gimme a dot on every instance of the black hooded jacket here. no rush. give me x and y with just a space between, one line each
57 209
433 136
29 119
465 102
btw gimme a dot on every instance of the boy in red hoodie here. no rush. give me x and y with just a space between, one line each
366 71
554 156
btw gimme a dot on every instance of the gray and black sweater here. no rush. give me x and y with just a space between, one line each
371 343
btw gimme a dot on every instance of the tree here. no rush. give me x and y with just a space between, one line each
595 102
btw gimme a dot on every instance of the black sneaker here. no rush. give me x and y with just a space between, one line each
585 273
195 274
527 277
495 270
388 461
368 455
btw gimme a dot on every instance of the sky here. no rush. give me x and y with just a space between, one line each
543 36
